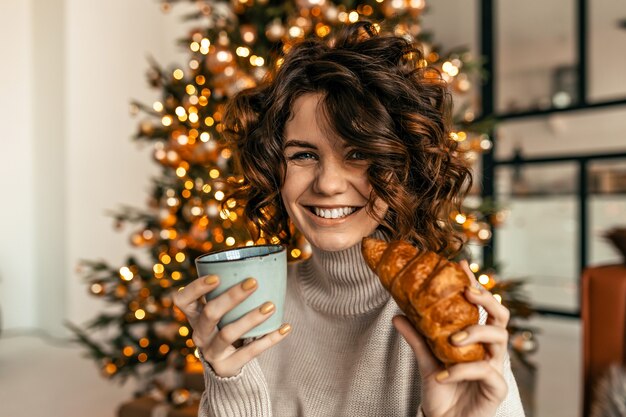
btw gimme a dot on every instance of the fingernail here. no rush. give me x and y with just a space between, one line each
474 290
284 329
248 284
442 375
459 337
267 307
211 279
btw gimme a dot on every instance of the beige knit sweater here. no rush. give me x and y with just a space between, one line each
342 358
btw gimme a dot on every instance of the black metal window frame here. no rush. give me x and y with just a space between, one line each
488 37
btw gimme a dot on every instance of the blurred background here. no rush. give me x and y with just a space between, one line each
96 120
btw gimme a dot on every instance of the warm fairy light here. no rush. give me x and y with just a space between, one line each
485 144
163 349
214 173
460 218
180 257
484 234
209 121
498 297
181 172
180 111
248 36
190 89
140 314
242 51
183 331
462 136
296 32
200 80
449 68
196 211
193 117
322 30
474 267
483 279
97 288
219 195
158 268
275 240
230 241
454 136
194 64
167 120
231 203
110 368
144 342
417 4
166 259
176 276
194 46
249 243
128 351
206 188
178 74
142 357
157 106
203 101
204 46
182 139
205 137
126 273
296 253
224 56
172 202
257 61
353 17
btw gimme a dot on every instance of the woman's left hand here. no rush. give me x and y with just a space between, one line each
473 389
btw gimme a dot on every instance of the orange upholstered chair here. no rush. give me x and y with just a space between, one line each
603 314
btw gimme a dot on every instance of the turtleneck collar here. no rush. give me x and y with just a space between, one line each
340 282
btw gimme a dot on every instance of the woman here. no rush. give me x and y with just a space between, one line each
346 140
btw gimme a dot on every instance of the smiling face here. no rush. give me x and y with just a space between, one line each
326 189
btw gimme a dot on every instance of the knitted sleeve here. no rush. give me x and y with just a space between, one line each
243 395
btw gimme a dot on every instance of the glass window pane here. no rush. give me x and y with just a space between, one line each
606 58
536 65
538 241
607 208
579 132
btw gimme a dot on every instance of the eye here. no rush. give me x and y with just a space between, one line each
302 156
357 155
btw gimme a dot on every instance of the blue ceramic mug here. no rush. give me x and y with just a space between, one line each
265 263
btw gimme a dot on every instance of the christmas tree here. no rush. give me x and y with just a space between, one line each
232 48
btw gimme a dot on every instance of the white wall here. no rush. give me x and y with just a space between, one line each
71 68
17 245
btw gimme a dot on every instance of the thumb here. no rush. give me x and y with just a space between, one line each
426 361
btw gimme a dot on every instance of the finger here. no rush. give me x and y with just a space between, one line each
186 298
253 349
232 332
494 338
426 361
498 315
492 384
469 272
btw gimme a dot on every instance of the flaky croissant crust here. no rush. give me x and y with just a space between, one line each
430 291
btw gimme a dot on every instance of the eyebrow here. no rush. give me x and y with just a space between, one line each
299 144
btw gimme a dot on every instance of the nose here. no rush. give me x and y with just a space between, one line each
331 178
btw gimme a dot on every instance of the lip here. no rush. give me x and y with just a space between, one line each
329 222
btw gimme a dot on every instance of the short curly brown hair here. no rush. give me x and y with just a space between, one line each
377 97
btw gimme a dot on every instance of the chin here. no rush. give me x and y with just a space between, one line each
334 243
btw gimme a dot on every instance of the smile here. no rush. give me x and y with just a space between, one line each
334 213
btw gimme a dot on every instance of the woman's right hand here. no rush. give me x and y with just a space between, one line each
218 346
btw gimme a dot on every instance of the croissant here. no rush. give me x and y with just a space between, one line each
429 290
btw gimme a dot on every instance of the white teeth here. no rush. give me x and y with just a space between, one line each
334 213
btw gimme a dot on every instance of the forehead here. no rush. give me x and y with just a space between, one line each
308 121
